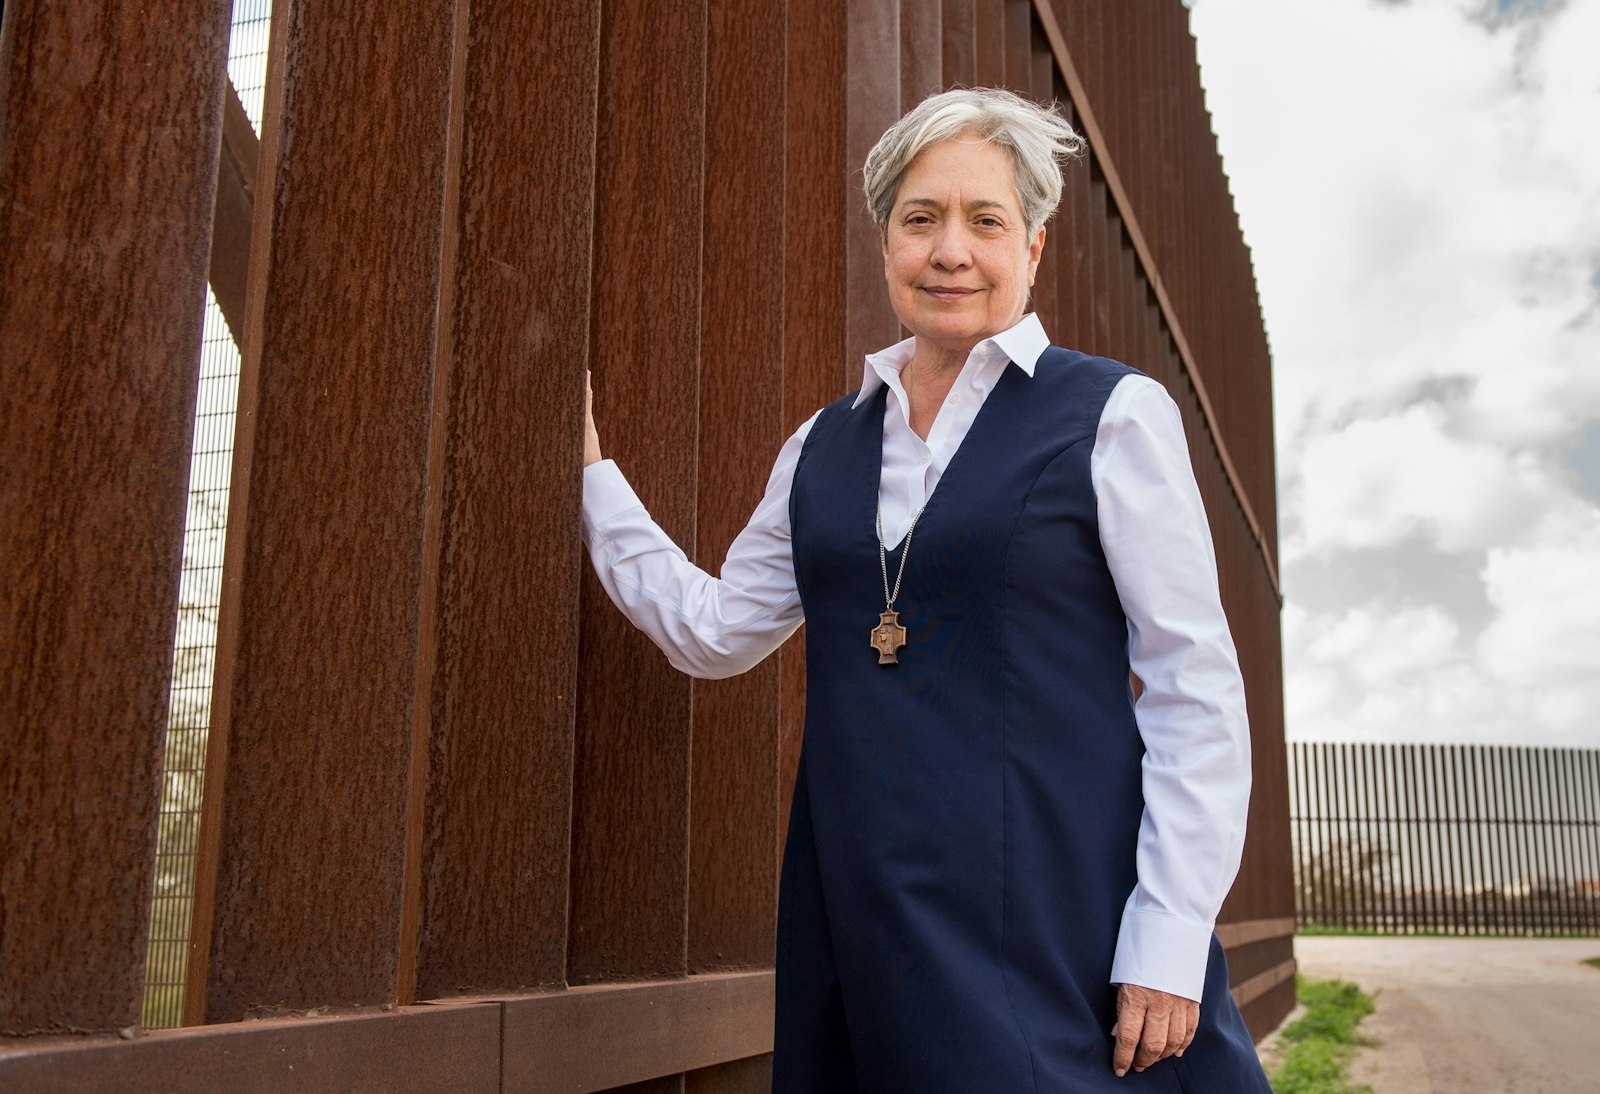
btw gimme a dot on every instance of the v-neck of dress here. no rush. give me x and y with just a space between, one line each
1004 386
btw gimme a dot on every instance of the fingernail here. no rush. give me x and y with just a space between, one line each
1121 1071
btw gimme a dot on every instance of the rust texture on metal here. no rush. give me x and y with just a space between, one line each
748 1076
589 1038
329 564
103 244
1081 37
409 1050
631 772
875 57
958 43
1264 998
443 767
734 782
602 1036
819 312
494 861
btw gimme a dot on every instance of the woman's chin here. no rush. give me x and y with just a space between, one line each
952 332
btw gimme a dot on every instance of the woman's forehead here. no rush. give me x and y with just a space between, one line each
969 170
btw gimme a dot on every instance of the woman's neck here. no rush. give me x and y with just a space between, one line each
927 378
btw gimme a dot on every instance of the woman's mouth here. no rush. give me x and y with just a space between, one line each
947 293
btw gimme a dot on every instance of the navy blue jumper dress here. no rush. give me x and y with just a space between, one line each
962 838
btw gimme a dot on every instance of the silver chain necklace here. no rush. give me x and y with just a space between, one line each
888 637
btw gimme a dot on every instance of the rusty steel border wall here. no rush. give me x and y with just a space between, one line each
1446 839
454 833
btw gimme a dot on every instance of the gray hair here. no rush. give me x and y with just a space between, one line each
1038 138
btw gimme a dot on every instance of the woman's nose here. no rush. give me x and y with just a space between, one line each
951 248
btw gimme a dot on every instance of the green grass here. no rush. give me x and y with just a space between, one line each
1595 961
1320 1044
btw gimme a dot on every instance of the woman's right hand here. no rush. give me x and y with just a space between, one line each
591 436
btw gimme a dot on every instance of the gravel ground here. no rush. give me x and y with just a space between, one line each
1472 1015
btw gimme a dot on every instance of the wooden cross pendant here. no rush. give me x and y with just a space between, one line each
888 637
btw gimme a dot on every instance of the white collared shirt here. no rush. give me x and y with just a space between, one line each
1191 715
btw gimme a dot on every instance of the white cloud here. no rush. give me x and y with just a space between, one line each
1547 596
1420 187
1403 672
1378 646
1381 481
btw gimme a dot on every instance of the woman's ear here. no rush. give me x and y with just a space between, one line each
1035 252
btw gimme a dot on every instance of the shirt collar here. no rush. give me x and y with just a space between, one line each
1022 345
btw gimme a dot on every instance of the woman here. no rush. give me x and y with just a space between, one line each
1001 873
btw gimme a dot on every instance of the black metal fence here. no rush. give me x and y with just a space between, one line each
1461 839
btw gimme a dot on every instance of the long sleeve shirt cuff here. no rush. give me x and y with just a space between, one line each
606 496
1158 951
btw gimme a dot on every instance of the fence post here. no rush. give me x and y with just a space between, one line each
326 624
102 285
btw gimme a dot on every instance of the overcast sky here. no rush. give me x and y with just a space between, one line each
1419 183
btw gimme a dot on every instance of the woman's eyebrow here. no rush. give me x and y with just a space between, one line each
974 204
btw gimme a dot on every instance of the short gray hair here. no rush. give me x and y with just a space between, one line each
1038 138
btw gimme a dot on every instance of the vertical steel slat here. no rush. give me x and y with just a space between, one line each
1474 787
1546 831
734 793
1562 806
921 51
1517 813
105 231
833 299
632 761
1447 834
1334 851
1439 873
492 861
874 98
1019 46
1462 829
1375 819
1350 826
331 495
1541 830
1328 852
1398 895
1570 809
1589 796
1502 831
958 61
1422 904
989 43
1585 792
1549 794
1588 776
1417 774
1556 830
1528 813
1338 868
1051 282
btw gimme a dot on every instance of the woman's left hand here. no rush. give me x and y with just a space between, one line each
1151 1025
591 436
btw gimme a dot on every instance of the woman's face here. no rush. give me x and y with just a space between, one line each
956 254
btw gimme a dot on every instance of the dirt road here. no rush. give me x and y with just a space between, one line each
1471 1014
